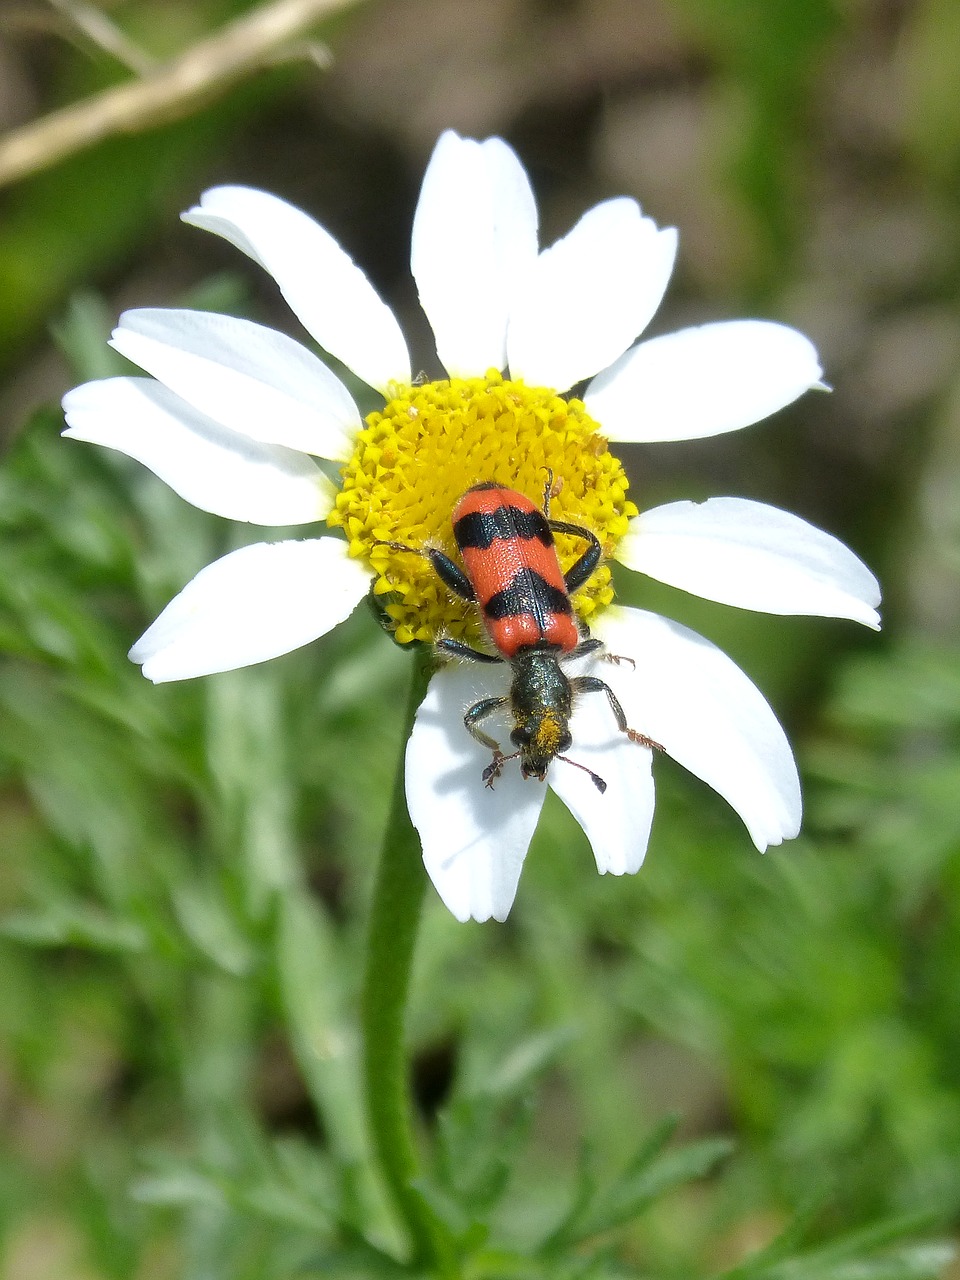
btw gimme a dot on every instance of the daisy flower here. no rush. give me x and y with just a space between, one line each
234 414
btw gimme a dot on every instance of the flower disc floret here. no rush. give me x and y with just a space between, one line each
430 443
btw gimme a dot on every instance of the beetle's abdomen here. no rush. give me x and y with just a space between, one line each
510 558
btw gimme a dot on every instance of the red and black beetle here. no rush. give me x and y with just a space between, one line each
511 571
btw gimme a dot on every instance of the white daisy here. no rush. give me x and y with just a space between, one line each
235 412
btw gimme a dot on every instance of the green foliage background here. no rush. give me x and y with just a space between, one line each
186 870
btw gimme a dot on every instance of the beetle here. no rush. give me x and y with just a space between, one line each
512 573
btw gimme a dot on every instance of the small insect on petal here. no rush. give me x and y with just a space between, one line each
511 571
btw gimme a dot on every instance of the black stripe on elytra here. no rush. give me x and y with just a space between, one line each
528 593
480 528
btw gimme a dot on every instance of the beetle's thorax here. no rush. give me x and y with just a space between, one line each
541 700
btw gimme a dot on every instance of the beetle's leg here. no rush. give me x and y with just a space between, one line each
479 711
447 570
550 490
588 645
457 649
617 658
399 546
591 645
590 684
494 769
450 574
581 570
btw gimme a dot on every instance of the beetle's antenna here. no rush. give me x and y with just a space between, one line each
595 778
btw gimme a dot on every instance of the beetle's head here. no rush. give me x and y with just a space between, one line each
540 738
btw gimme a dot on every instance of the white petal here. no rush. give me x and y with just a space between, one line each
250 605
586 298
616 822
474 237
474 837
703 381
753 556
692 699
330 295
209 466
250 378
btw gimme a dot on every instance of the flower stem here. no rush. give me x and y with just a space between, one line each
394 918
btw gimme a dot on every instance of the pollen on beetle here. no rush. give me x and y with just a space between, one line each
548 736
430 443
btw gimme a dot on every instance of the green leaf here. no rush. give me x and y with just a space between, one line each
651 1174
75 924
178 1186
357 1260
527 1062
82 334
312 990
213 929
851 1256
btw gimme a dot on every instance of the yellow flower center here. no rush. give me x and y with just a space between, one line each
419 454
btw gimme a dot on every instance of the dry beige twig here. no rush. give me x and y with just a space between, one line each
169 91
